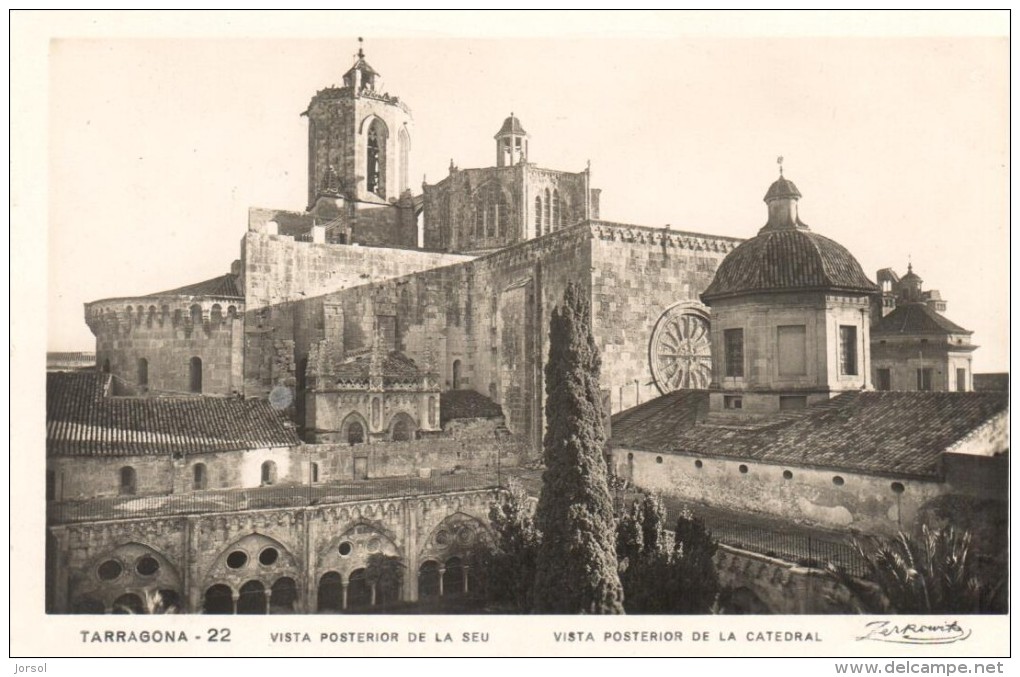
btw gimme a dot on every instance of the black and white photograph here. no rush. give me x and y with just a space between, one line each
410 331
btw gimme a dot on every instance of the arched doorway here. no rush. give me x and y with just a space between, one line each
359 592
454 578
252 599
283 597
219 599
428 579
330 595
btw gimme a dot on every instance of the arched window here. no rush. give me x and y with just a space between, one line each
284 596
454 579
199 476
143 372
546 217
196 314
402 428
428 579
375 169
403 149
479 219
128 481
556 216
314 473
216 314
490 216
456 374
269 473
355 433
195 376
330 592
503 217
359 591
538 216
252 598
219 599
106 366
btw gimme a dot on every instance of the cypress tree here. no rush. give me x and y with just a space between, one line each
576 568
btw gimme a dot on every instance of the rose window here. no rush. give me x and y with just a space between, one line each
681 351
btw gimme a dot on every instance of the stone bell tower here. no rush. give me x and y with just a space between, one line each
363 133
359 144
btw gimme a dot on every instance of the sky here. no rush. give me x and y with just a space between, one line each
158 146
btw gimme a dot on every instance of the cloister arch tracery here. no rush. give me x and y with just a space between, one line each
126 577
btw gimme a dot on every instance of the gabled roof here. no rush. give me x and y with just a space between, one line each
454 404
884 433
83 420
916 318
222 286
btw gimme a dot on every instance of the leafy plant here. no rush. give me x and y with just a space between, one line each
935 572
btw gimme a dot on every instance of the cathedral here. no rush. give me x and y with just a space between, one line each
454 284
380 332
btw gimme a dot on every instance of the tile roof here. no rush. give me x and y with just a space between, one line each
787 260
70 360
916 318
222 286
455 404
886 433
397 368
83 420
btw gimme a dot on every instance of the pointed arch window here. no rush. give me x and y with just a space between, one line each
547 220
403 150
143 372
538 216
195 380
375 166
557 221
490 215
503 217
479 219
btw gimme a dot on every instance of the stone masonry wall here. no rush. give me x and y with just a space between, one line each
637 274
287 281
164 332
866 502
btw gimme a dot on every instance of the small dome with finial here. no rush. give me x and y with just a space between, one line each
787 256
511 126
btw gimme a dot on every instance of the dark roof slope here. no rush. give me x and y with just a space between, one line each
787 260
222 286
512 125
397 368
82 420
887 433
455 404
916 318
